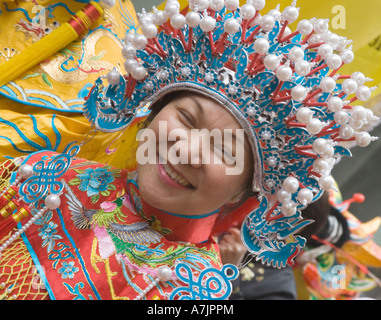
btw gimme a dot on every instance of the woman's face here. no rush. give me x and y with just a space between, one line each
192 177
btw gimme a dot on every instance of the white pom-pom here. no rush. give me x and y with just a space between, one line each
291 185
304 114
334 61
304 27
314 126
299 93
290 14
302 68
335 104
349 86
284 73
247 11
305 196
113 77
296 54
326 183
258 4
283 196
192 19
138 72
231 5
261 45
327 84
231 26
207 24
288 208
267 22
271 62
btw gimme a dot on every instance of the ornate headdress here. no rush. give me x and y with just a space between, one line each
283 87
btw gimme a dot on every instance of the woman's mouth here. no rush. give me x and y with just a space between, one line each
173 178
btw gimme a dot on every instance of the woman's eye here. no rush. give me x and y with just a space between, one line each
187 118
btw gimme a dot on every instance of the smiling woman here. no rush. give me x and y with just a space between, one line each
189 187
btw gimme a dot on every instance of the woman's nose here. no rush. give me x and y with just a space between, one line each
195 156
186 149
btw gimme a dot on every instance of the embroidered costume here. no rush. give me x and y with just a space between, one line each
104 233
335 264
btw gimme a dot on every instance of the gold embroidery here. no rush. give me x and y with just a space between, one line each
18 273
88 64
111 274
8 53
35 31
94 258
110 21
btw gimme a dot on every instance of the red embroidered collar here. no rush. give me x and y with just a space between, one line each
175 227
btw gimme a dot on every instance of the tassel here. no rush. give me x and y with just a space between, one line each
50 44
7 196
11 222
8 209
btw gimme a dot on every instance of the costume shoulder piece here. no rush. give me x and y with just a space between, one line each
90 242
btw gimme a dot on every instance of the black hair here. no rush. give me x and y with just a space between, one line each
323 213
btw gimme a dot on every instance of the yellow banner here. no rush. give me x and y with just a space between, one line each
357 20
